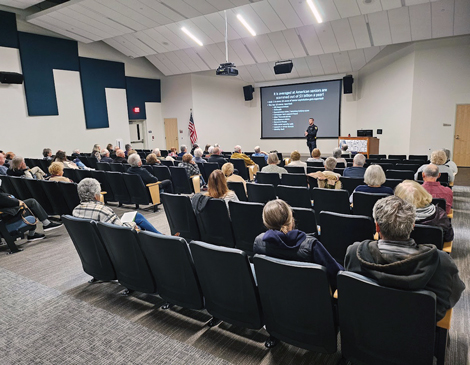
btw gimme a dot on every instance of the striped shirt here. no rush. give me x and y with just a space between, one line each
99 212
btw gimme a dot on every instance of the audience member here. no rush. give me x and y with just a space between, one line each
451 164
61 156
344 150
96 152
434 187
90 207
206 149
183 150
198 156
3 169
337 156
152 159
374 177
328 179
216 157
426 212
315 156
77 161
439 159
357 169
396 261
283 241
191 167
228 170
110 148
158 154
105 156
56 169
147 177
19 168
295 160
127 149
217 187
238 154
120 157
210 151
260 153
173 152
113 152
9 156
47 154
195 145
273 166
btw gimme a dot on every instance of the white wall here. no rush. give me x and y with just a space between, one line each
155 126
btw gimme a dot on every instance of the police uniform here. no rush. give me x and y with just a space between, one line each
312 137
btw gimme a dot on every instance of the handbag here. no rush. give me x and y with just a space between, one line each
26 212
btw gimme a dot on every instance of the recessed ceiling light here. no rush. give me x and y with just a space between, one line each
247 26
190 35
315 11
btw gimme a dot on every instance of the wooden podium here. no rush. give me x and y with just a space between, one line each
365 145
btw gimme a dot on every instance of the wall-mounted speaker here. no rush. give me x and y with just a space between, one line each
283 67
11 77
347 84
248 91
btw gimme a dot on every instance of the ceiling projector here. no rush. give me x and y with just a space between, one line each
227 69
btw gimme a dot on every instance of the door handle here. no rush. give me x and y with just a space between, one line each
457 136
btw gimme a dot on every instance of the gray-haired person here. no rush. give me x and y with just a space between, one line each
357 170
397 261
147 178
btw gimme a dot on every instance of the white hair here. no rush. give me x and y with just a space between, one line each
88 189
257 149
395 217
198 152
337 153
134 160
359 159
157 152
104 152
237 148
374 175
210 150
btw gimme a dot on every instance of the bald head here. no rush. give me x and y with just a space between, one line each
120 153
431 173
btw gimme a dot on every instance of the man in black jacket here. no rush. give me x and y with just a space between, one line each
396 261
311 134
136 169
216 157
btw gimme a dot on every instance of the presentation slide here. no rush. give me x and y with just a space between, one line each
285 109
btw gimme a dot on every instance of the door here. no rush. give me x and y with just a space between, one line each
171 133
461 154
137 133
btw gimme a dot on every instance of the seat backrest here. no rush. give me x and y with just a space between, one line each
239 164
138 192
378 157
418 157
70 193
441 202
305 220
400 174
260 193
381 325
331 200
37 192
71 174
406 166
268 178
90 247
180 216
161 172
295 196
296 302
118 167
20 187
118 185
167 163
392 183
230 297
338 231
209 167
8 187
172 268
350 183
294 179
239 189
428 234
339 171
56 197
215 225
397 157
315 164
104 166
181 183
200 165
260 161
295 169
128 260
363 203
92 162
247 223
82 174
340 165
102 177
443 178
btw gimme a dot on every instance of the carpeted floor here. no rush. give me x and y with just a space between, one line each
51 315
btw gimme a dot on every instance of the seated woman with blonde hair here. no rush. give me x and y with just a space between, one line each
56 169
295 160
315 156
426 212
152 159
227 169
217 187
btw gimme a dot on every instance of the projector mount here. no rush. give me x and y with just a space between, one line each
227 68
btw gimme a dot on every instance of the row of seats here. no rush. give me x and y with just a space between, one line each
291 299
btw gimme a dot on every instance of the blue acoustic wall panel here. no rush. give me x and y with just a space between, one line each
139 91
8 32
39 56
96 75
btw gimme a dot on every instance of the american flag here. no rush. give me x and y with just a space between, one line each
192 129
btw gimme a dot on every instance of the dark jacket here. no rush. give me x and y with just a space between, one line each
199 202
439 219
7 202
217 158
312 132
297 246
119 160
146 176
106 159
354 171
408 266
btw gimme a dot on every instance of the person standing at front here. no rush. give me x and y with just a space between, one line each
311 134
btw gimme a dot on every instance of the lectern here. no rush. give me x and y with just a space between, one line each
365 145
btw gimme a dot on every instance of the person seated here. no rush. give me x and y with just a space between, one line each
210 151
327 179
206 149
3 169
217 187
272 166
439 159
374 177
260 153
47 154
152 159
337 156
56 169
397 261
434 187
228 170
127 149
96 152
110 148
105 156
113 152
158 154
295 160
18 168
11 209
357 170
9 156
147 177
216 157
315 156
61 156
195 145
90 207
191 167
198 156
345 150
76 160
120 157
451 164
426 212
173 152
283 241
183 150
238 154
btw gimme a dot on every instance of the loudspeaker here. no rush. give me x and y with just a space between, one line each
248 91
11 77
283 67
347 84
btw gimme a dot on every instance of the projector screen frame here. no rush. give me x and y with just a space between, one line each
302 83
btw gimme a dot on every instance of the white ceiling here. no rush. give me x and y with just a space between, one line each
352 33
20 4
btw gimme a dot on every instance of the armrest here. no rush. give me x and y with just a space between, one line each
335 294
102 196
451 214
447 247
196 183
451 183
445 322
154 191
153 184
